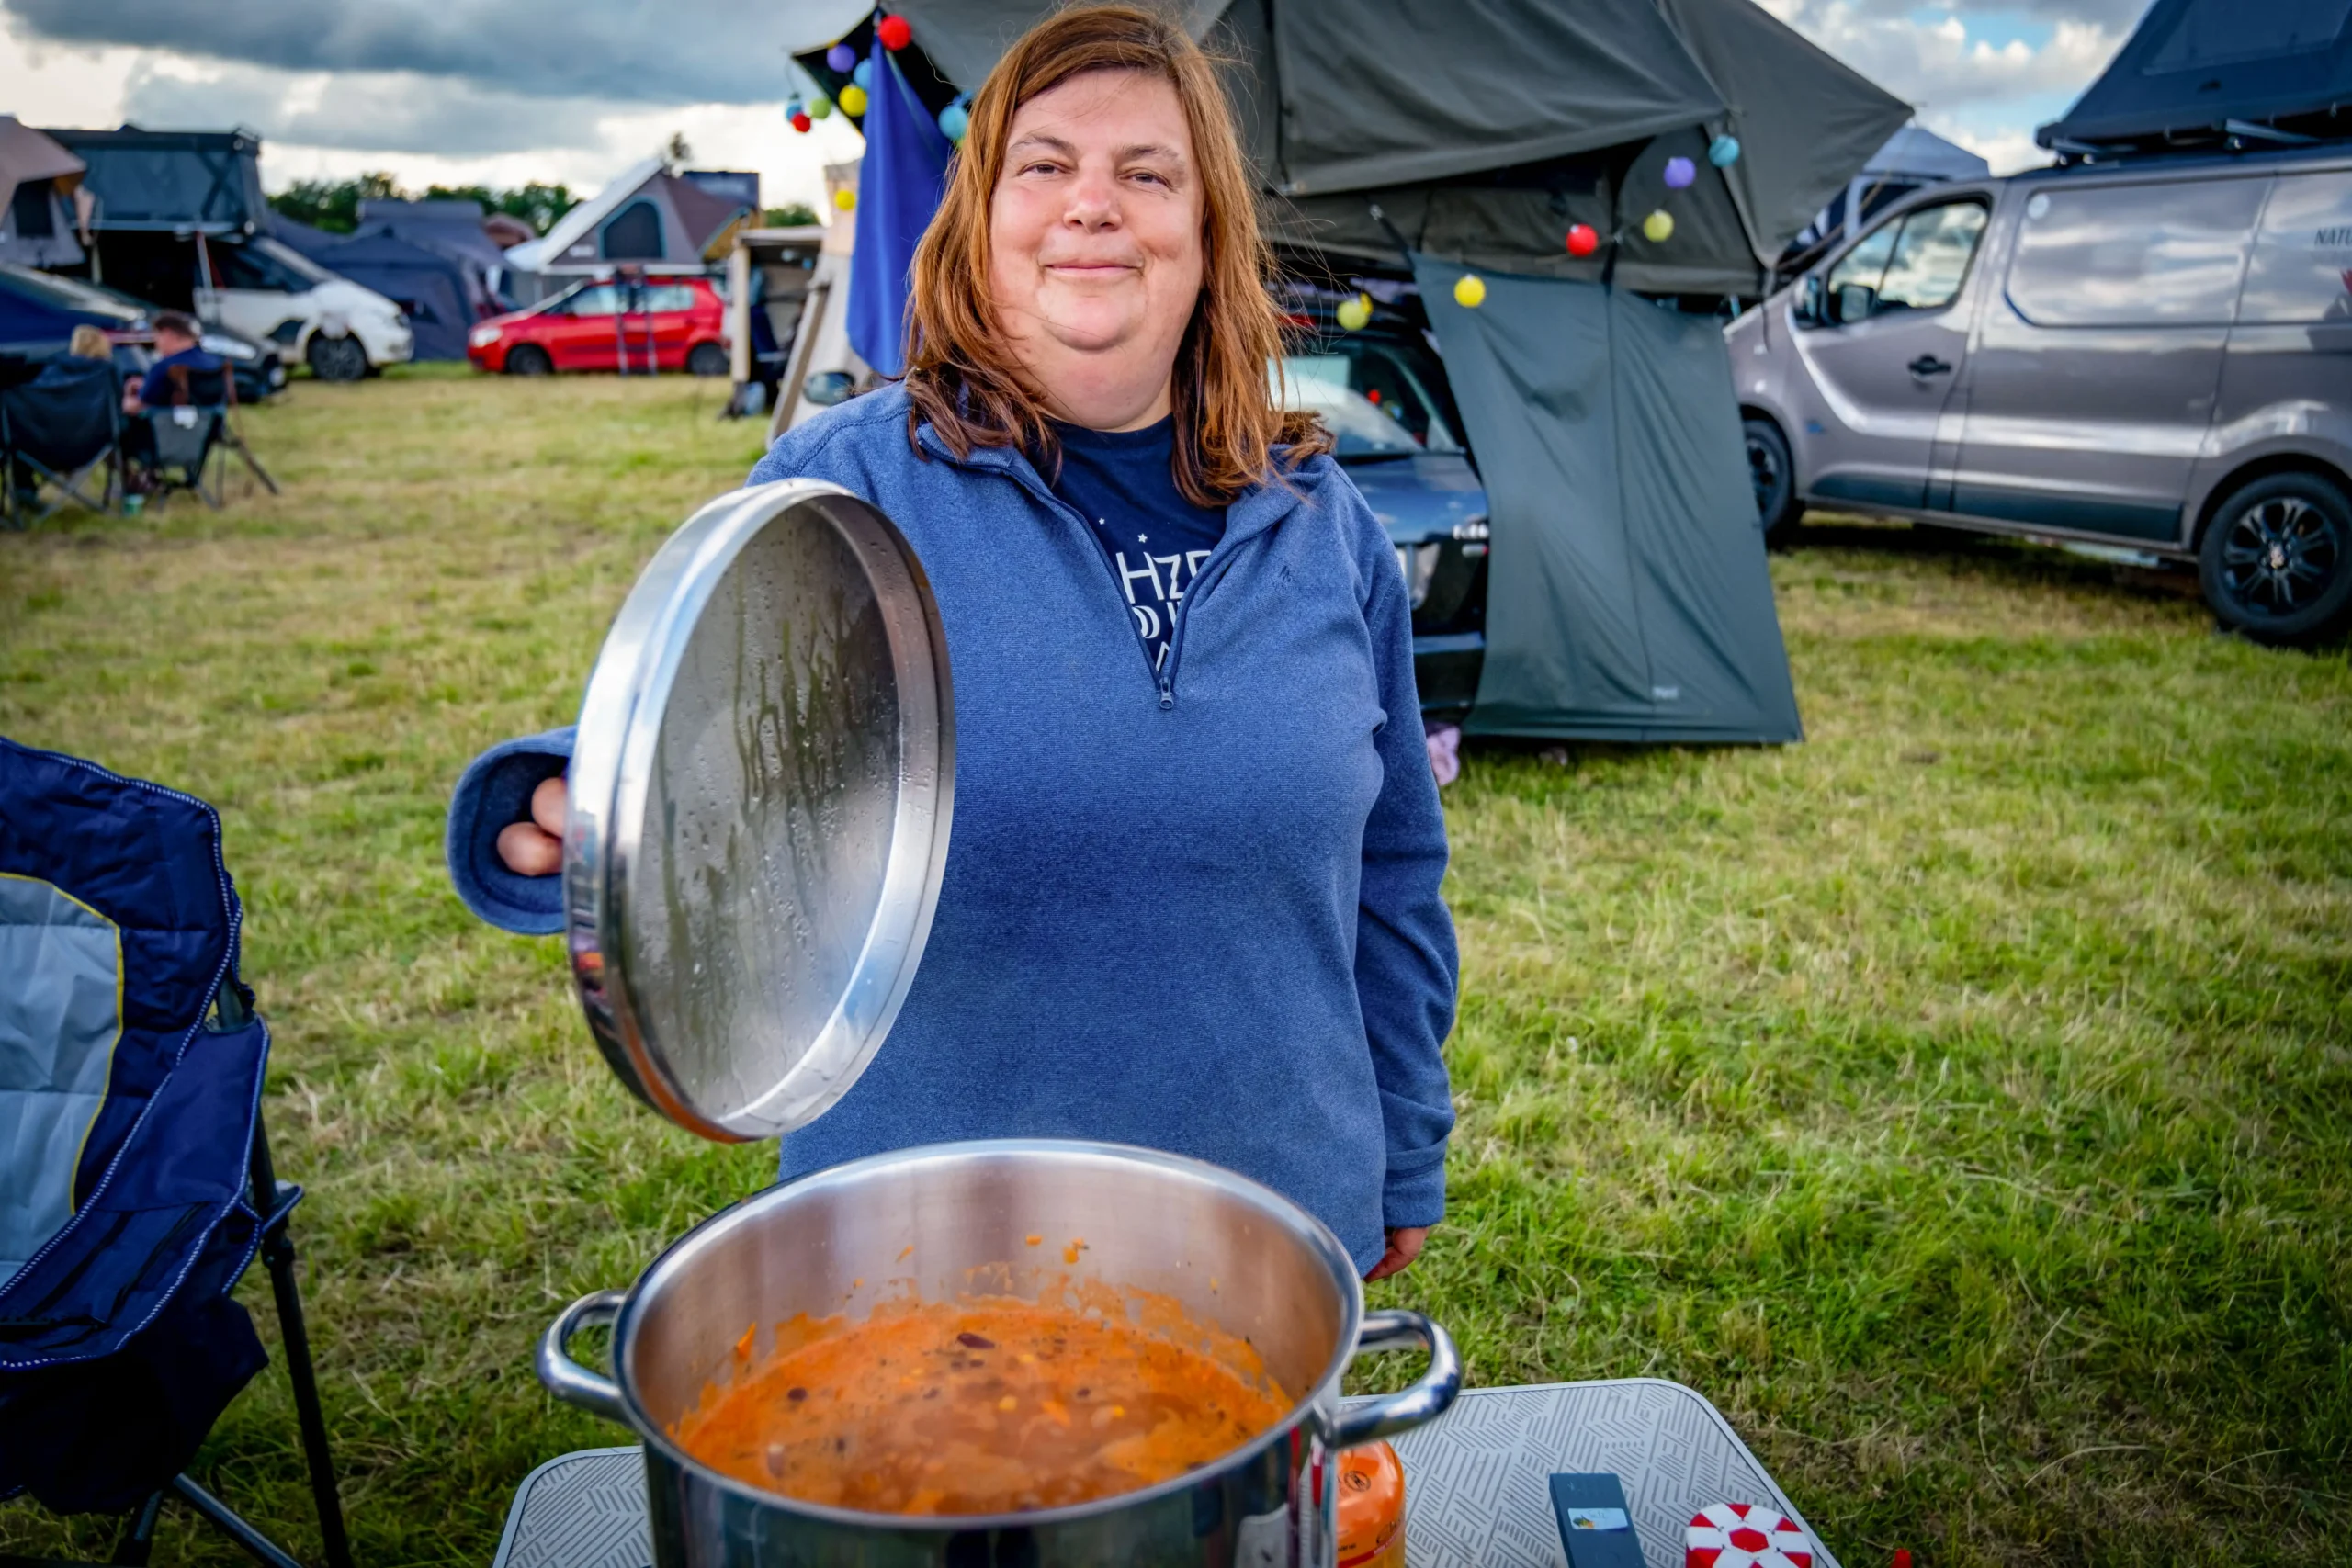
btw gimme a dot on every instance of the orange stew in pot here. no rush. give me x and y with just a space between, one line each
974 1407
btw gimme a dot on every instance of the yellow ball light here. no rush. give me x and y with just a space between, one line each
1658 227
844 199
1354 312
852 99
1470 290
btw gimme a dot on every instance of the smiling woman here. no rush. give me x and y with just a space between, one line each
1191 897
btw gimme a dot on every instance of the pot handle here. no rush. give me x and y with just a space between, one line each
1430 1395
567 1378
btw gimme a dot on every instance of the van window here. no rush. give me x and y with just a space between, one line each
250 267
1915 263
2154 255
2302 269
1931 257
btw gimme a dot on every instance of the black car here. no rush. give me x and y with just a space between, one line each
1382 390
39 311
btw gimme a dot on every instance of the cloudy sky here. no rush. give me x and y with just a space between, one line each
507 91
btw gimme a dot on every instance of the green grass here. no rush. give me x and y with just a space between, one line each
1957 1100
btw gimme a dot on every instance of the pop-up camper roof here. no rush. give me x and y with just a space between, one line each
175 181
2207 73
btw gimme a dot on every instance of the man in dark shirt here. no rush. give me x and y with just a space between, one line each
182 373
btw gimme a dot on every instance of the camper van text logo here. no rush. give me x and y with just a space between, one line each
2334 239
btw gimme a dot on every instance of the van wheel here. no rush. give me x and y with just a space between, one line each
337 358
706 359
2277 561
529 359
1775 478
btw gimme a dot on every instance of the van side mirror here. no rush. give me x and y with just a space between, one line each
1855 303
826 388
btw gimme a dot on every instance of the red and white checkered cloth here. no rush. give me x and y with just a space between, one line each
1741 1535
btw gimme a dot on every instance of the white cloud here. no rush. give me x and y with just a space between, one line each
1941 63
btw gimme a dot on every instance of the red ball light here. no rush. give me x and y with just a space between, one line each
895 32
801 122
1583 239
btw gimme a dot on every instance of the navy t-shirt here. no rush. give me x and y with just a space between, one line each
200 373
1156 541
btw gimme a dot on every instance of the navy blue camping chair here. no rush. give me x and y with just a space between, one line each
135 1177
61 433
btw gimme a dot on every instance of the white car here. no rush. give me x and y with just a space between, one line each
266 289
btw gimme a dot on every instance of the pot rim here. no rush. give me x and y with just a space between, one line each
1305 1227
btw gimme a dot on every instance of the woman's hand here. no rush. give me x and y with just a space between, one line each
1404 1246
535 848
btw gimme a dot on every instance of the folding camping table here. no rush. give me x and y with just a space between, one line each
1476 1494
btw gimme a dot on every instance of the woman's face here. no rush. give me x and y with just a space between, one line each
1094 236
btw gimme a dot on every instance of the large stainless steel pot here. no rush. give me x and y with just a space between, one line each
1235 1254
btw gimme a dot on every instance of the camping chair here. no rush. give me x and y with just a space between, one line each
61 433
187 435
137 1185
183 439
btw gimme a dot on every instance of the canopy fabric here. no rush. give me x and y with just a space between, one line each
1374 94
441 298
1917 153
27 155
1637 605
2194 66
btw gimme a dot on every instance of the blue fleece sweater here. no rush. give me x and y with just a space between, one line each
1197 912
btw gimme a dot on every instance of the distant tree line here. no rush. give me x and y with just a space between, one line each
791 216
334 205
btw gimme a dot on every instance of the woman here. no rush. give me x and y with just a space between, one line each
1192 900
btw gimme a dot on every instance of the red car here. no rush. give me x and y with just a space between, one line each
679 323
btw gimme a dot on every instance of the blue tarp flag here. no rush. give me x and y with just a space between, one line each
898 187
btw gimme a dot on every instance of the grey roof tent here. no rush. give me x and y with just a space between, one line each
2213 73
172 181
1628 594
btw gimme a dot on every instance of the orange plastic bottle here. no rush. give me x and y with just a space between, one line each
1372 1508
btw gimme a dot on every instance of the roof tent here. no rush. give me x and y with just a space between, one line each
174 181
1628 597
2208 73
41 198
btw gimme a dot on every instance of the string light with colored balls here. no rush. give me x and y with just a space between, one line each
1354 312
852 99
863 75
1658 227
799 119
844 199
819 106
841 58
1724 151
1680 173
895 32
1583 239
956 119
1469 292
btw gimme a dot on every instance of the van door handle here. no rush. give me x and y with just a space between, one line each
1929 364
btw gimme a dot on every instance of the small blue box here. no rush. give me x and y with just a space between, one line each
1596 1530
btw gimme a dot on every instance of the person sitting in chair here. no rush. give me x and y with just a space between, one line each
182 372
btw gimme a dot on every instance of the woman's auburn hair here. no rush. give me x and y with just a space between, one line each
961 375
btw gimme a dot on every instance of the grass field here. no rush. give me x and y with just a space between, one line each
1960 1099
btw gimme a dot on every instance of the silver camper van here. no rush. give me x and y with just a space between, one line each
2155 353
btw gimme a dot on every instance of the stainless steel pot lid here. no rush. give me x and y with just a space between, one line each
759 796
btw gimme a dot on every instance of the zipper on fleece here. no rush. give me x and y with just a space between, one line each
1164 678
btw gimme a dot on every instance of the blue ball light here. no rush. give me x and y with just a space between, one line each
1724 151
1679 173
954 121
841 57
864 74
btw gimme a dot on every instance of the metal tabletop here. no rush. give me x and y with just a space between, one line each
1477 1485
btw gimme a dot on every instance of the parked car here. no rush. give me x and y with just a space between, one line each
1383 392
2153 353
661 323
41 310
265 290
